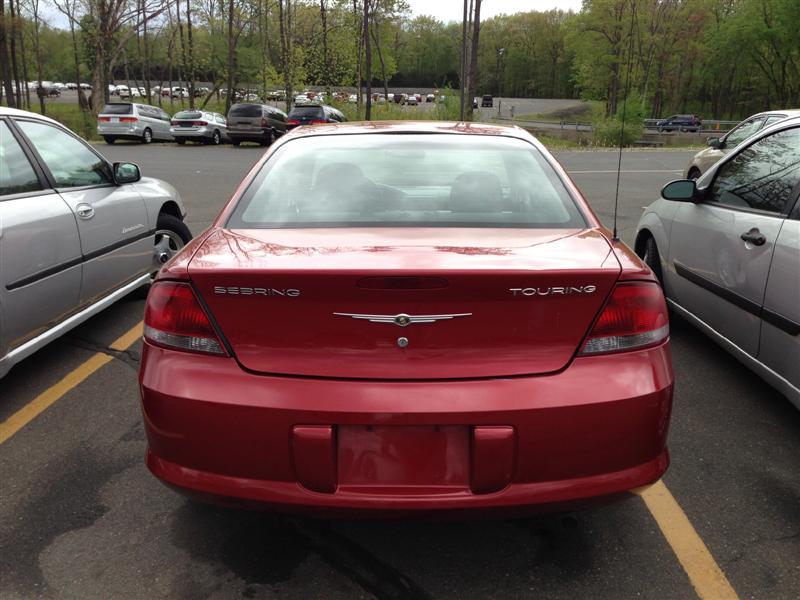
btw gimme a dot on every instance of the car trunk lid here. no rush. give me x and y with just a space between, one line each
468 303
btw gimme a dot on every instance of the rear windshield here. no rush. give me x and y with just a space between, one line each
245 110
409 180
118 109
307 111
187 114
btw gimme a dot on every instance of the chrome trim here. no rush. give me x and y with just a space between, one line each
402 319
780 383
31 346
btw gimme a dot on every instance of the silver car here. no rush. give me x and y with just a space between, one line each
77 233
727 250
132 121
199 126
719 147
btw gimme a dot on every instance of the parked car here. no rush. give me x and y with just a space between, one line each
314 115
411 100
719 147
122 91
346 339
199 126
48 92
727 250
258 123
79 232
475 102
352 99
72 86
680 123
132 121
180 92
301 99
430 98
487 101
86 86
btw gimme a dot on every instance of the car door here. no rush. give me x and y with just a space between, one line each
721 247
780 330
115 234
40 251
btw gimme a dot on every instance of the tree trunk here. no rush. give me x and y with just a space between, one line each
473 60
285 18
462 82
22 53
13 43
326 67
231 59
191 74
368 61
5 68
38 54
376 38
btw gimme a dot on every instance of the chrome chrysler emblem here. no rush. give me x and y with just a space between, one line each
402 319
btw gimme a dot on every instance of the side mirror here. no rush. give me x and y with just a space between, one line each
126 173
714 142
682 190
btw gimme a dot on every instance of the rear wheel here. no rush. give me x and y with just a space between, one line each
109 139
216 138
270 138
147 136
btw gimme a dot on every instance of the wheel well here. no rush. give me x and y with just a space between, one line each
641 239
171 208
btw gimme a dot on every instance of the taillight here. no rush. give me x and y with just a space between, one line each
634 317
200 123
318 121
104 119
264 123
174 123
293 122
128 119
174 318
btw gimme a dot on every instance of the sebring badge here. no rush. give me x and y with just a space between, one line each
402 320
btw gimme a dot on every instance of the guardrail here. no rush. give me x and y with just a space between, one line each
709 127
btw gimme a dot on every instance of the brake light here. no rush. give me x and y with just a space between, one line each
264 122
104 119
174 123
318 121
200 123
174 318
293 122
128 119
634 317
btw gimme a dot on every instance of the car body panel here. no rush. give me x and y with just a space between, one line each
184 128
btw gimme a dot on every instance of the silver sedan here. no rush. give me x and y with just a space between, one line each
199 126
727 250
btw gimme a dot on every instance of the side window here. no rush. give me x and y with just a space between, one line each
743 131
162 115
16 173
774 119
70 161
763 176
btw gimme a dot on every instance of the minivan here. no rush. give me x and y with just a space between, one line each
314 115
261 123
132 121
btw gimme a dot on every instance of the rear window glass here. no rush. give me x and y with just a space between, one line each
118 109
245 110
410 180
187 114
307 111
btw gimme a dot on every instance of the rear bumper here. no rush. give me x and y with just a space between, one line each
192 134
121 132
258 135
585 435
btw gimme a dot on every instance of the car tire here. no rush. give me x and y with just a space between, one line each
147 136
109 139
660 129
216 138
172 234
649 254
180 142
694 173
270 138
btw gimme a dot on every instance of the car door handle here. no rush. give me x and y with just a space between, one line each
85 211
755 237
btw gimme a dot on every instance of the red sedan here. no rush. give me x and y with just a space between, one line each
406 318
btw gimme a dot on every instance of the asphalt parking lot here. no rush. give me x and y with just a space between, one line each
81 517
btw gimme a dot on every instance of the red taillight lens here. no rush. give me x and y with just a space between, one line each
128 119
174 123
174 318
200 123
635 317
264 123
293 122
104 119
318 121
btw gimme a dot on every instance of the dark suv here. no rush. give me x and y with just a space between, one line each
680 123
255 123
311 114
487 101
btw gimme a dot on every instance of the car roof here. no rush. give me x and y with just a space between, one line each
423 127
14 112
791 112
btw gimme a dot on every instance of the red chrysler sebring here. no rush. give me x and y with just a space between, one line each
406 318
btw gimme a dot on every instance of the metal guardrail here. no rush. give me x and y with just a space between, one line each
710 126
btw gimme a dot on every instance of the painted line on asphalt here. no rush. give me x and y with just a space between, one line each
614 171
47 398
704 573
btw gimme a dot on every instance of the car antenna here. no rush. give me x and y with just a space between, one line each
615 237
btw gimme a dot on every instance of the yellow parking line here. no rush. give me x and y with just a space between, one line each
43 401
707 578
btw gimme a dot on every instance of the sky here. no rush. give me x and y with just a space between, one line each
453 10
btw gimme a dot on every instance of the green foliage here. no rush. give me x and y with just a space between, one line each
626 127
